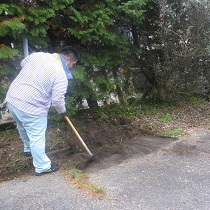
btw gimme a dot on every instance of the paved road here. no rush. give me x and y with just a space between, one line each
174 177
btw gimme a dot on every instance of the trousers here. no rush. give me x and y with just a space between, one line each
32 130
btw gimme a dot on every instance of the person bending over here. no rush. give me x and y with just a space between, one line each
41 83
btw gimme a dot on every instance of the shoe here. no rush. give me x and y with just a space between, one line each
52 169
27 154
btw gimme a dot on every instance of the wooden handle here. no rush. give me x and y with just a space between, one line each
77 134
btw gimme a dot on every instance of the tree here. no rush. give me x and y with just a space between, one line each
95 27
11 23
19 19
174 55
99 29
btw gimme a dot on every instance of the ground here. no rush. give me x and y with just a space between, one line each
103 138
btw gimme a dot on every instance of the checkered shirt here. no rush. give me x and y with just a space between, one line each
41 83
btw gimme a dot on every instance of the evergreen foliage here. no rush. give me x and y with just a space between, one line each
126 46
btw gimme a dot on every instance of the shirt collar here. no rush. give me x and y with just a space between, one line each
65 67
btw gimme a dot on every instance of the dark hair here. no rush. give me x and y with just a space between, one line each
72 52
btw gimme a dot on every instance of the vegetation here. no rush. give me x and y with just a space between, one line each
151 57
158 49
79 179
105 130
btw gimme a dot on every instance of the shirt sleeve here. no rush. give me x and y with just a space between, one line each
58 95
25 60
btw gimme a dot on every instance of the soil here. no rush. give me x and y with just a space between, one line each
104 139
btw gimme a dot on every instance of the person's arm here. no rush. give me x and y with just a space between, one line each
25 60
58 95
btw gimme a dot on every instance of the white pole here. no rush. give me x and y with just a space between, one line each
25 40
25 47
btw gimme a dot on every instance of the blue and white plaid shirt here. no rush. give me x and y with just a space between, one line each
41 83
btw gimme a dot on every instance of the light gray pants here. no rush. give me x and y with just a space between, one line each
32 131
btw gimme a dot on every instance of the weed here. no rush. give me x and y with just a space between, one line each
8 135
149 127
74 164
197 99
173 132
166 118
18 153
80 180
95 189
56 137
152 127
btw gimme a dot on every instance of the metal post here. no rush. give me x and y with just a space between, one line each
25 47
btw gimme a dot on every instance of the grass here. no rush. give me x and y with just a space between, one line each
56 137
152 127
79 179
161 119
166 118
174 119
173 132
8 135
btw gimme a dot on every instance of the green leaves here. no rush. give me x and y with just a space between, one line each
99 29
11 20
59 4
3 8
10 9
91 23
133 9
12 27
7 52
39 15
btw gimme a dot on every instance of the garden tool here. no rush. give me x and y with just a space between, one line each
91 157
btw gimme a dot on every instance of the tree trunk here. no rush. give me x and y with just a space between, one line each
164 93
118 89
120 95
93 104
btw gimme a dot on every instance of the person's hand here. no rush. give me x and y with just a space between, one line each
64 114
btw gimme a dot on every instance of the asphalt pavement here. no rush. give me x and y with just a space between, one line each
176 176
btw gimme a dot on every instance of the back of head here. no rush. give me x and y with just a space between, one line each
70 51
